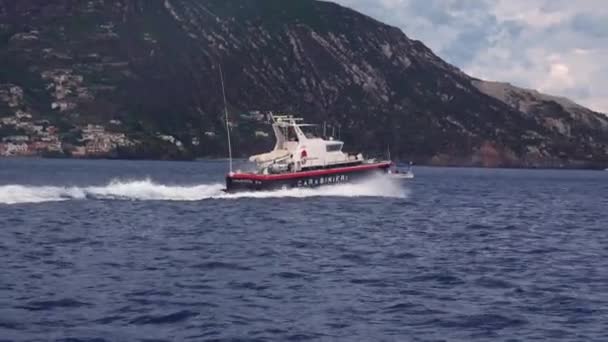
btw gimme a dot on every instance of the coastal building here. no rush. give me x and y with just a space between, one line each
99 147
171 139
79 152
9 121
91 132
14 96
20 149
63 106
55 146
23 115
39 146
38 129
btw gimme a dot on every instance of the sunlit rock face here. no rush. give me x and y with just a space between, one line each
153 67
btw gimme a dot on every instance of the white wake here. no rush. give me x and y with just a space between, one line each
148 190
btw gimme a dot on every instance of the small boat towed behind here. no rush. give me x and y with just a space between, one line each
302 160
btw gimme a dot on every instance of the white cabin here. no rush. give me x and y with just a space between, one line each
298 149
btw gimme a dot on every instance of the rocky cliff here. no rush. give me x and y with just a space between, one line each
141 79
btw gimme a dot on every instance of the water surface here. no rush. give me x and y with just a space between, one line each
128 251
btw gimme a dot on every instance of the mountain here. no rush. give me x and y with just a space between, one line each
140 78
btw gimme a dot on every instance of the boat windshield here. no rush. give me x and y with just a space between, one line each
290 133
310 131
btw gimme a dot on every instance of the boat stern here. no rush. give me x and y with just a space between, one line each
238 183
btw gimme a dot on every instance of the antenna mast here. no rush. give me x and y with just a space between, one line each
227 123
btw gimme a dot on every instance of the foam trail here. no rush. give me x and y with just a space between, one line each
147 190
15 194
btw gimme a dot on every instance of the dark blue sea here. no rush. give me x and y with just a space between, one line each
154 251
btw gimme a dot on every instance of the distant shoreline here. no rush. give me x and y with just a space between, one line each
220 159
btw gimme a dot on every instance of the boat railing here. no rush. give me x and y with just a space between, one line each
285 119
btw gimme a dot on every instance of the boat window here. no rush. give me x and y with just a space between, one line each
291 134
334 147
310 131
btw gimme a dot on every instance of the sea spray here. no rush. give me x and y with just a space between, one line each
148 190
15 194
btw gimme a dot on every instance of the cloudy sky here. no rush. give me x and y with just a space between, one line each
556 46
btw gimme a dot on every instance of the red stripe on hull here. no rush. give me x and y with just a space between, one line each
304 174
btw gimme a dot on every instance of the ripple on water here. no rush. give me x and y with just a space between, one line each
82 339
404 255
289 275
110 319
11 325
478 226
218 265
355 258
247 285
410 308
196 286
305 337
65 303
483 322
164 319
401 307
493 283
372 282
442 278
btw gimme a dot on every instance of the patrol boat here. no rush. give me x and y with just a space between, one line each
300 159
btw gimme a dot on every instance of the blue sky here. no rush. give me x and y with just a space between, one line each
559 47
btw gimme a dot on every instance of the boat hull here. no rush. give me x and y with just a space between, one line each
240 182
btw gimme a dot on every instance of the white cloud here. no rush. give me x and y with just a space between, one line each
532 13
555 46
